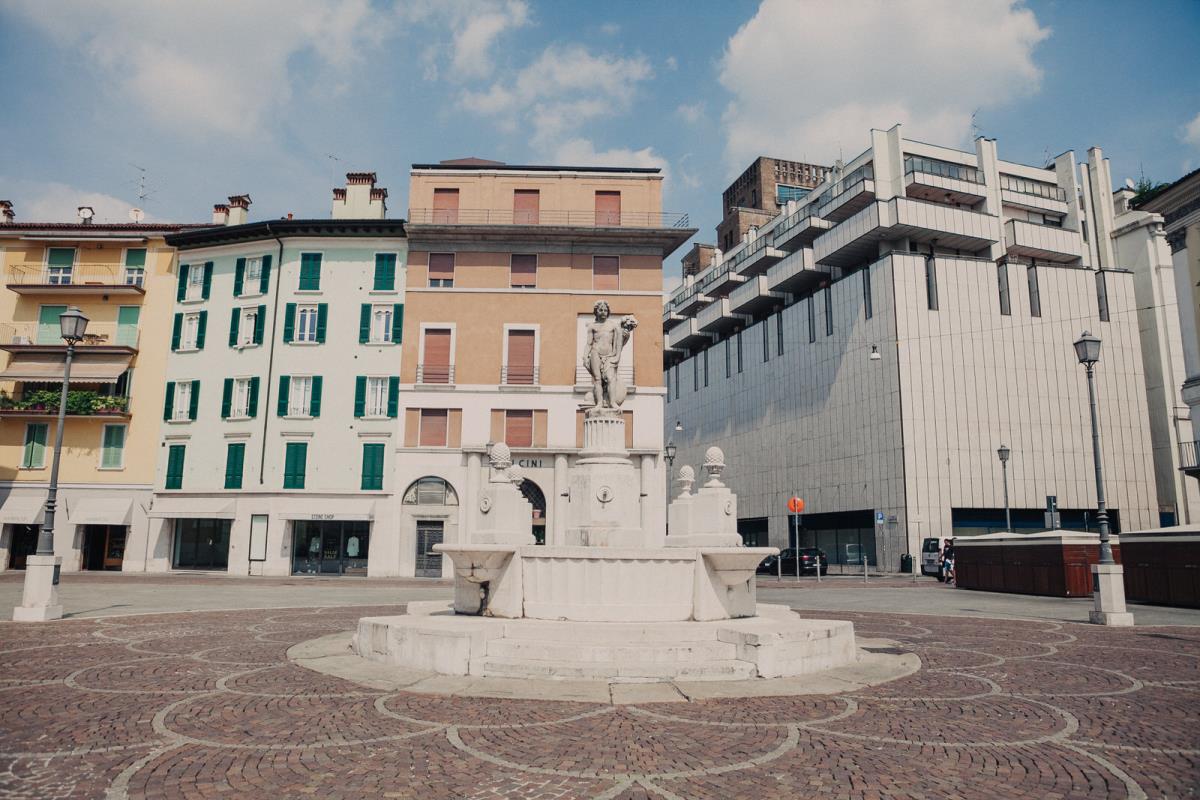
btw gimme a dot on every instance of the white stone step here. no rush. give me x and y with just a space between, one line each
590 652
716 670
612 632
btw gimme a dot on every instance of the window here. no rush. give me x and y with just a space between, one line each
254 271
251 326
739 352
112 447
377 397
235 461
372 466
695 374
766 339
608 209
381 325
430 491
34 454
931 282
310 272
676 381
523 271
1102 296
174 476
239 398
1035 292
135 266
1005 296
728 360
705 357
445 206
526 205
434 427
189 331
385 272
829 311
300 395
868 301
520 368
60 263
306 323
779 332
812 319
441 270
436 360
295 461
518 428
606 273
195 282
182 411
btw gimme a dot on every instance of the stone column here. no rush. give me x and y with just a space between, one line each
558 526
467 520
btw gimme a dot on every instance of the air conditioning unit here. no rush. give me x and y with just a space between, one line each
17 339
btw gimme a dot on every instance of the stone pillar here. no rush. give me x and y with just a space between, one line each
557 532
472 496
39 602
606 500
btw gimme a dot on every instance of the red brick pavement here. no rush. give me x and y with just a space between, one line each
206 705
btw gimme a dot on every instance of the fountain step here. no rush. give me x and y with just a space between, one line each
590 652
609 633
712 670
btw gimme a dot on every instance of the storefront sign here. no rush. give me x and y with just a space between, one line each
529 463
321 516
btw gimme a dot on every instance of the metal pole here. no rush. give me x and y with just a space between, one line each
1007 511
863 550
1106 554
46 535
796 543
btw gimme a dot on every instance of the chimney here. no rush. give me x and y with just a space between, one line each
220 214
360 199
6 212
239 209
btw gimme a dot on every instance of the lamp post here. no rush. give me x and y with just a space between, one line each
39 602
1003 452
1108 583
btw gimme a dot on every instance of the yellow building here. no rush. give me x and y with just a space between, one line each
121 277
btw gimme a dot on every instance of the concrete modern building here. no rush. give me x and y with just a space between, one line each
120 276
506 263
872 346
280 418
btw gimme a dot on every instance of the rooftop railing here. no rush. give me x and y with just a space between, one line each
74 275
574 219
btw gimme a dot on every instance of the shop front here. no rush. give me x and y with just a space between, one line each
201 544
330 547
20 521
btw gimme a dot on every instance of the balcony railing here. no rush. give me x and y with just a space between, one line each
945 169
574 219
435 373
1189 456
98 335
75 278
519 376
80 403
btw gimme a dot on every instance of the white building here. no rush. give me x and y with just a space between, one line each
871 348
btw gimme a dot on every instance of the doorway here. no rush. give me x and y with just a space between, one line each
201 544
104 546
537 498
24 544
429 561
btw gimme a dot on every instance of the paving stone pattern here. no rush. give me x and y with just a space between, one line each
207 705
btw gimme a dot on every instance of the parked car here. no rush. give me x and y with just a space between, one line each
808 562
931 557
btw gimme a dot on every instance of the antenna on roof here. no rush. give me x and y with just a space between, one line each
332 167
974 125
136 214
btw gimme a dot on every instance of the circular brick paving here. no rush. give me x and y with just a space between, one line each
207 705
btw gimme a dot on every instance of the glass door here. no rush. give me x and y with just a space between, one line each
429 561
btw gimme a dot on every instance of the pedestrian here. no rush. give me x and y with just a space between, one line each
948 561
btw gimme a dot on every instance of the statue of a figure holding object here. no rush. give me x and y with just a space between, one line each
606 338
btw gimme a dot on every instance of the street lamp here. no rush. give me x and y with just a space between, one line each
670 450
40 600
1004 453
1108 583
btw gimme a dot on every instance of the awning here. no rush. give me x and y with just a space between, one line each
100 511
48 367
349 510
192 507
23 510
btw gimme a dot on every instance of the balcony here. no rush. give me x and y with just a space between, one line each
101 338
550 218
849 195
1034 195
518 376
688 336
80 279
689 300
721 281
80 404
942 181
1189 458
1043 242
856 241
435 374
799 230
754 296
719 318
757 257
796 274
671 319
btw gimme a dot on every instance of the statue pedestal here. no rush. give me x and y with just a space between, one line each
604 487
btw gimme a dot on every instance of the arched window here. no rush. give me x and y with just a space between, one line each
430 491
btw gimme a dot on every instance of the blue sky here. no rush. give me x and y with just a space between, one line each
214 99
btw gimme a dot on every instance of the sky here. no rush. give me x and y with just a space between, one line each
280 98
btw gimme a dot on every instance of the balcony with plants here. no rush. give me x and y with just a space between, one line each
80 403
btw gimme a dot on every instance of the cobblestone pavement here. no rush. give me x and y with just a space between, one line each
206 704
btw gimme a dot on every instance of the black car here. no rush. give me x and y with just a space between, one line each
808 562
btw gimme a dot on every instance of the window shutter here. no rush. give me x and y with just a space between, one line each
608 209
252 400
360 396
606 273
523 270
364 323
434 427
169 403
521 347
234 321
526 203
181 288
393 407
372 467
235 458
264 281
289 322
284 383
315 404
397 323
174 467
385 272
445 206
194 403
293 465
239 276
207 287
441 266
226 398
260 321
176 330
322 321
201 327
112 445
310 271
518 428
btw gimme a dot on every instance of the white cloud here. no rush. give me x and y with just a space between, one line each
202 69
582 152
610 29
926 63
463 33
57 202
691 112
1191 132
477 32
672 63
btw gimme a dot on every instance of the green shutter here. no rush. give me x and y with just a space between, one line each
260 321
364 323
372 466
264 281
169 403
181 289
194 403
112 446
314 407
207 287
385 272
201 327
235 320
322 321
360 396
397 323
175 455
49 325
176 330
284 383
393 396
310 271
227 398
127 325
35 445
289 322
135 257
252 401
294 463
239 275
235 459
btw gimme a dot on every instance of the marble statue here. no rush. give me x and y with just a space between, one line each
605 340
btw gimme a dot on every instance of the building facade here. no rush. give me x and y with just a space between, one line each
758 194
871 348
279 418
120 276
506 264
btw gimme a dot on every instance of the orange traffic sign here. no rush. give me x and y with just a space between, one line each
796 505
